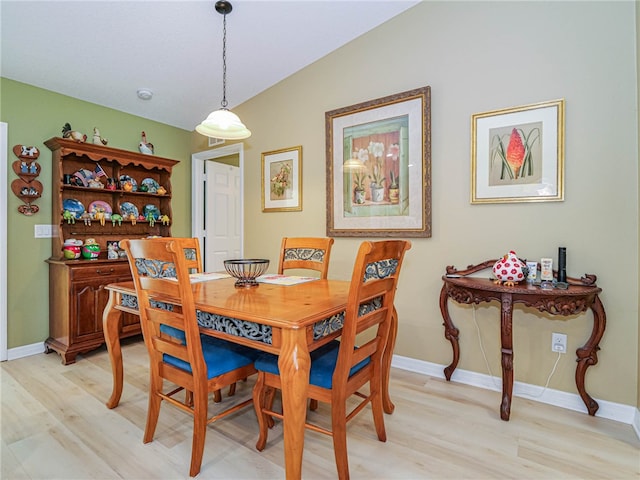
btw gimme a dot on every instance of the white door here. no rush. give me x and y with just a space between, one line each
217 204
222 215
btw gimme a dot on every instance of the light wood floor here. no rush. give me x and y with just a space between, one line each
55 426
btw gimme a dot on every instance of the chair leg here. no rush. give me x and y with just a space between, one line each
232 389
377 408
153 411
199 431
259 402
339 429
269 397
313 404
217 396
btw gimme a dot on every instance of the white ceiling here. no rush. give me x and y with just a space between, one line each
104 51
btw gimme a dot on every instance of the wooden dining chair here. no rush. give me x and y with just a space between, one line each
178 353
340 368
310 253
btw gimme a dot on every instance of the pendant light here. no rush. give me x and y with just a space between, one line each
223 123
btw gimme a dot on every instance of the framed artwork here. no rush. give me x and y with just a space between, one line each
379 167
282 180
517 154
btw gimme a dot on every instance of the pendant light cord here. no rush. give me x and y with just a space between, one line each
224 61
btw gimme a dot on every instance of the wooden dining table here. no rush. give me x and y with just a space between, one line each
287 320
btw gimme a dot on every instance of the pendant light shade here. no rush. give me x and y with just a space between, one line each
223 123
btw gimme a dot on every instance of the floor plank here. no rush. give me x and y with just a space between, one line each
54 424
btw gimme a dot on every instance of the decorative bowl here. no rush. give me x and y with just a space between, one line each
246 270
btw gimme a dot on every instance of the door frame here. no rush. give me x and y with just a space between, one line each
3 240
198 169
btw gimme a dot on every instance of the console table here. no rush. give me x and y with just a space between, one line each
581 294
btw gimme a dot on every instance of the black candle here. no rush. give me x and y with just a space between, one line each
562 264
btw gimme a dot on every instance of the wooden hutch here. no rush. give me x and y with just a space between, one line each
77 295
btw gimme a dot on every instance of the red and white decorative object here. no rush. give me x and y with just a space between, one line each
509 269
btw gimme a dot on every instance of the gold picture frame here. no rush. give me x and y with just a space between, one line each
517 154
282 180
379 167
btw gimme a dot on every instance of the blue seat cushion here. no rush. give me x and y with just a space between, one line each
323 364
220 356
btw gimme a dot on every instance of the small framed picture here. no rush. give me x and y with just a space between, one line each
113 247
282 180
518 154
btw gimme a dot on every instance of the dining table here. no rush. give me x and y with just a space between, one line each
289 320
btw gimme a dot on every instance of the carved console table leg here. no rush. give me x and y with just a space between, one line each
506 334
451 333
110 326
588 354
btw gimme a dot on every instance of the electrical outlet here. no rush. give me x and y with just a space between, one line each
559 342
44 231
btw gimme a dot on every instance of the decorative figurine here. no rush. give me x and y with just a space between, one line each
509 270
161 190
151 218
165 219
72 134
132 217
127 186
99 215
69 217
144 146
33 168
29 151
24 168
97 139
91 249
95 183
112 184
116 217
86 217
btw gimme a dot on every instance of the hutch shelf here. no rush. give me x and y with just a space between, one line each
77 294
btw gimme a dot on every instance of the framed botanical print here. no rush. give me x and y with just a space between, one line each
282 180
379 167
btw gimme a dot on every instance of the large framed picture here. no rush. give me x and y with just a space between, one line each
282 180
379 167
517 154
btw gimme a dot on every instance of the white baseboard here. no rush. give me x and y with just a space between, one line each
613 411
25 351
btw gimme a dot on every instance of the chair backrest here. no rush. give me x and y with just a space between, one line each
192 255
369 305
160 273
310 253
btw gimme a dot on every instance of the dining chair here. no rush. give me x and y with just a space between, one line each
310 253
178 353
340 368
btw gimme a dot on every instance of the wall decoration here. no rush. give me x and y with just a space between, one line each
517 154
282 180
26 187
379 167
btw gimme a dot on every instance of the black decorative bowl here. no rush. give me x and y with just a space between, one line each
246 270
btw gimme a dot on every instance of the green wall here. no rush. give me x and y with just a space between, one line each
34 115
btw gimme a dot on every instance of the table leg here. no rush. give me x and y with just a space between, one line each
506 334
451 333
111 326
294 363
387 356
588 354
